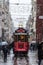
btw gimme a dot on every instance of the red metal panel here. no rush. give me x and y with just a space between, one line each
17 46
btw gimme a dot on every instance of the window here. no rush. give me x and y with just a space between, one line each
22 38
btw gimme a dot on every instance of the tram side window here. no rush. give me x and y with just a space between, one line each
15 38
19 38
26 38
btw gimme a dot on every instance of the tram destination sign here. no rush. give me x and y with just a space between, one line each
40 17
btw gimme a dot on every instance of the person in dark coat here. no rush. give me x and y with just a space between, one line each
11 46
39 52
5 51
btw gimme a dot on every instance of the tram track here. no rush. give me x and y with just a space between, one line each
21 61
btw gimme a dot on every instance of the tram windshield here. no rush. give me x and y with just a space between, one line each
22 38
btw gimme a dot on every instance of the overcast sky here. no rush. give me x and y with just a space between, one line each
21 12
20 1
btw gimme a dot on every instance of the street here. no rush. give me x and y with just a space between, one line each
21 29
32 60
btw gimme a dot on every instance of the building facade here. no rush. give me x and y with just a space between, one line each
6 21
1 9
39 21
34 9
31 24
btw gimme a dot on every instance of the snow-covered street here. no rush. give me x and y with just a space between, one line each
31 60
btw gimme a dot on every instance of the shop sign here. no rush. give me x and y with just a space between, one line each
40 17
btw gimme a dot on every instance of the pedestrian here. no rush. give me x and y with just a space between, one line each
11 46
8 50
8 47
5 51
31 47
40 52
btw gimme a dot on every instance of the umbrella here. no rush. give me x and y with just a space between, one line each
4 43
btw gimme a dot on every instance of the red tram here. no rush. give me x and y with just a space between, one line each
21 44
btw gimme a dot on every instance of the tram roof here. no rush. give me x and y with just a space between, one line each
20 33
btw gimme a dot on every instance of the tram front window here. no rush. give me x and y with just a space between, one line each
22 38
15 38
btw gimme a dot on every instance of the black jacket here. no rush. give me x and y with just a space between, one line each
5 49
40 51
